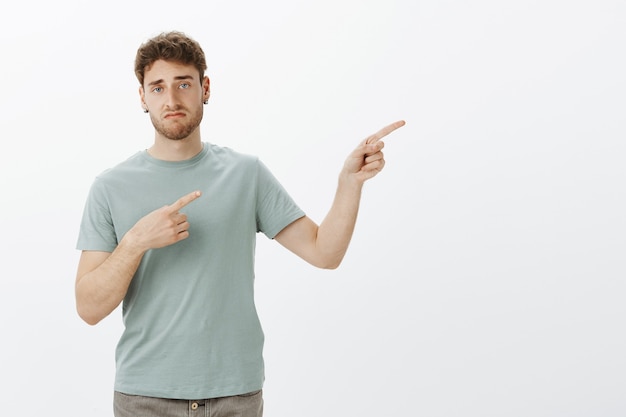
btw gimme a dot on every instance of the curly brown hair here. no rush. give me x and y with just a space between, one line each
169 46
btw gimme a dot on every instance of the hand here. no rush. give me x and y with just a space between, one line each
367 159
164 226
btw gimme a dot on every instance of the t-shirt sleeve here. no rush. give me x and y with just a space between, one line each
275 207
97 231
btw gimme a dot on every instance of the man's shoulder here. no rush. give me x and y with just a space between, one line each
230 153
228 159
121 169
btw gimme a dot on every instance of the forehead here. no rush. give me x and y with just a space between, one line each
168 71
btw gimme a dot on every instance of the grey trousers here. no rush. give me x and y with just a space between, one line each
246 405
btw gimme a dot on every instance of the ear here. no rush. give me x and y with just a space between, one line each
142 97
206 88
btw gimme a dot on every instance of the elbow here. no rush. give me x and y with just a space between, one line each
331 265
87 308
90 320
88 316
328 263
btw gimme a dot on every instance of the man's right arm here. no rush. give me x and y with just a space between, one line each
103 278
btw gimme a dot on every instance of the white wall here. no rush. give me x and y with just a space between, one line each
486 276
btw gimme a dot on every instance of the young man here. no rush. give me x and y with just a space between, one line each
171 231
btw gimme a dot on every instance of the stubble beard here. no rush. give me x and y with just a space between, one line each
177 130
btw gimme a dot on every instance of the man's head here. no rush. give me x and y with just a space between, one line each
170 68
169 46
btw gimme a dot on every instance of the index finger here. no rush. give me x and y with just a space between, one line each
184 200
384 132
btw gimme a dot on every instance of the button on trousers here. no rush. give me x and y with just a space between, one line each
246 405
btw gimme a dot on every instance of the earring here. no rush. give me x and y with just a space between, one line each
145 110
206 101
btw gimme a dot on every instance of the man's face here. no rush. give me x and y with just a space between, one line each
174 93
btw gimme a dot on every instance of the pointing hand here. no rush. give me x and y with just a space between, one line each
367 159
164 226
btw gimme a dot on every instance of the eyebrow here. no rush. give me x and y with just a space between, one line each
178 77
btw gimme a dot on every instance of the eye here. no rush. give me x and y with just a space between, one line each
157 89
184 85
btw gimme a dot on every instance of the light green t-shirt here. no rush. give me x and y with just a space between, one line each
191 326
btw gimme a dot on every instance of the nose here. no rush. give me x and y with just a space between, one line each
171 98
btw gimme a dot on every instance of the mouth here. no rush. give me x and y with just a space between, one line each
174 115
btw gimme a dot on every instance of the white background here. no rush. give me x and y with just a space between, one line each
486 276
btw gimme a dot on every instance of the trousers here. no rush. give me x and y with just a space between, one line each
245 405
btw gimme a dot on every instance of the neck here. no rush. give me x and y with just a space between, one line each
175 150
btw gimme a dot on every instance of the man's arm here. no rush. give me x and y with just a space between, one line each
102 278
325 245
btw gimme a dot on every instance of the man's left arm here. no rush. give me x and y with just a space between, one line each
325 245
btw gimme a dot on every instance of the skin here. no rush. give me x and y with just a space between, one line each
174 94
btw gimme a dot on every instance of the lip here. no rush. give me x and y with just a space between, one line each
174 115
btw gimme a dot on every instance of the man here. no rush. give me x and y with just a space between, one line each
171 231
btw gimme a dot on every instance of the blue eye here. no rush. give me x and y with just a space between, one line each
157 89
184 85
